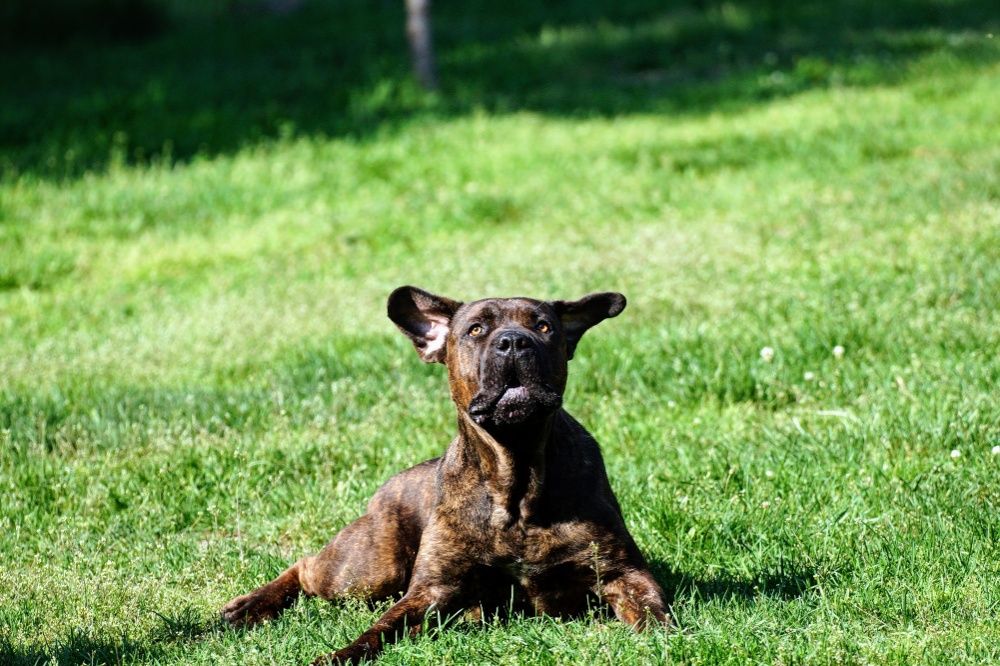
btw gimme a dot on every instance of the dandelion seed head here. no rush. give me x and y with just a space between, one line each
767 354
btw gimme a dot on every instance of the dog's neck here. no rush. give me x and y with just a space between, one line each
511 464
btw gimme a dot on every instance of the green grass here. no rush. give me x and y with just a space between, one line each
198 383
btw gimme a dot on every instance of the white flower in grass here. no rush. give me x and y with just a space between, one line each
767 354
955 454
769 473
838 352
809 375
995 450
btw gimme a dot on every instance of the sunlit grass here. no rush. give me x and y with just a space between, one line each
198 383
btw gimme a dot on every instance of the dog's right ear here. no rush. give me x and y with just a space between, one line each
424 318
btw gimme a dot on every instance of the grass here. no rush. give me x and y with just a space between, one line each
198 383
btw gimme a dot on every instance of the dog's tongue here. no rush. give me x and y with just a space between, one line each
514 393
514 405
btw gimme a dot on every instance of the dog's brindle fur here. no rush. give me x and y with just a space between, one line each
519 506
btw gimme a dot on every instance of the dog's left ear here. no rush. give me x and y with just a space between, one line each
424 318
578 316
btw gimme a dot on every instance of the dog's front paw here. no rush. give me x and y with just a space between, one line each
248 610
352 654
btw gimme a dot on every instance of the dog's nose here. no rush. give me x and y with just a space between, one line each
511 343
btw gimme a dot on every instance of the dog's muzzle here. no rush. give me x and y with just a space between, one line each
513 382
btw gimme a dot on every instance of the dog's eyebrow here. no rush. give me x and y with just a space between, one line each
481 310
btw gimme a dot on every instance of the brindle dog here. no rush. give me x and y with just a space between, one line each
518 509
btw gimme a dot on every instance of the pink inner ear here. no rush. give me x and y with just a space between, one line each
435 335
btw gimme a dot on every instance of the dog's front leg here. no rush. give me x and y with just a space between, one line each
406 615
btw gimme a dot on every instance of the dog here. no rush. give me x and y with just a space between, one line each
517 512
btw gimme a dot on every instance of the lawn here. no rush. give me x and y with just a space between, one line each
198 382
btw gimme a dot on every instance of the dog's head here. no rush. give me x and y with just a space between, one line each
506 357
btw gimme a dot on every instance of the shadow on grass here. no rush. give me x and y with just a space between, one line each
213 84
174 628
786 582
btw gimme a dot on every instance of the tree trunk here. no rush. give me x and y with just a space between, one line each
418 31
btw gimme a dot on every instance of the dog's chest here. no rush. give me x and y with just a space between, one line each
526 551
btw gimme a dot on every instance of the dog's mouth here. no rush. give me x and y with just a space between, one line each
513 402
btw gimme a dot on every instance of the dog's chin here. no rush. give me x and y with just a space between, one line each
515 405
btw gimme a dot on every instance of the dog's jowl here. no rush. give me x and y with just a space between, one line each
518 512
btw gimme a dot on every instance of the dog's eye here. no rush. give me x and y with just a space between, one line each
543 327
476 330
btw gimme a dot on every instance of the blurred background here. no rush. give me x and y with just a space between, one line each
86 81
